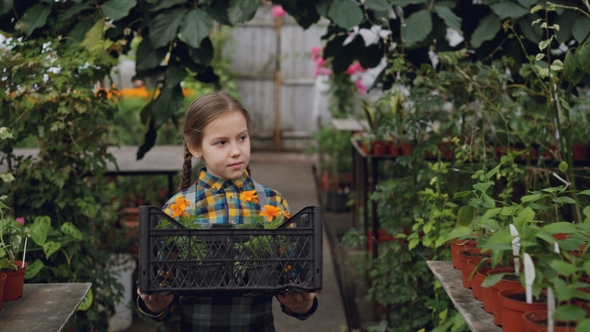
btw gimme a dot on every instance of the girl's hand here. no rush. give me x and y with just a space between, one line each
156 303
299 303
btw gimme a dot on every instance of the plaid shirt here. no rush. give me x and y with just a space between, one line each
218 201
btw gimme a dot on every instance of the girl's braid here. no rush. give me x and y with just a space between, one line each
185 180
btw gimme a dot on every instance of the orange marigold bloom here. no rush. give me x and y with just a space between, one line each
270 211
287 214
249 196
179 207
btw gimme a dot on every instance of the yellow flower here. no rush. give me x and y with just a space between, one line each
179 207
249 196
270 212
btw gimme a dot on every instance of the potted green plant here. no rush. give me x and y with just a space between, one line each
11 239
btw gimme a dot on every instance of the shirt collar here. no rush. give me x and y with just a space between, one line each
209 181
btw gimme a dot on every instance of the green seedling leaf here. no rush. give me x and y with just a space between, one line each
462 194
50 247
39 230
531 198
536 9
483 187
7 177
563 268
563 166
33 269
493 172
465 216
488 202
86 302
559 227
564 200
493 279
524 216
585 192
458 232
569 313
71 229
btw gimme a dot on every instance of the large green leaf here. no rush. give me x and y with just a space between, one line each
580 28
164 27
39 229
195 26
94 35
79 32
5 6
527 3
346 13
569 313
458 232
75 9
377 5
486 30
508 9
86 301
417 27
163 4
566 22
532 33
583 58
35 17
240 11
50 247
204 54
404 3
147 56
169 101
34 268
491 280
563 268
71 230
465 215
175 75
323 7
117 9
451 19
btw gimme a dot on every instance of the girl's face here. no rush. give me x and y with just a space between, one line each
226 146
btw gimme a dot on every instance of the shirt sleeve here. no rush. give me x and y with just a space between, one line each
309 313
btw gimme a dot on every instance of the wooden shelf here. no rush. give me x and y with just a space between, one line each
470 308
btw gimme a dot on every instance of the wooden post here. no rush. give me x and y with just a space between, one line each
279 24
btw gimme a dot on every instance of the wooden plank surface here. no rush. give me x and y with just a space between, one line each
471 309
43 307
350 124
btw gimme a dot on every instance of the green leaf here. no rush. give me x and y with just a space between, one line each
195 26
5 6
586 212
583 58
451 19
483 187
458 232
70 229
563 166
404 3
75 9
532 33
531 198
462 194
583 325
346 14
488 202
163 4
94 35
465 215
169 101
493 172
204 54
50 247
7 177
33 269
524 216
413 243
5 133
86 302
570 71
39 229
580 28
559 227
527 3
566 22
569 313
508 9
536 9
174 75
377 5
493 279
164 27
417 27
147 56
585 192
486 30
564 200
323 7
563 268
240 11
117 9
34 18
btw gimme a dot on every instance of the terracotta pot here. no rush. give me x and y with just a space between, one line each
447 150
366 147
579 152
392 149
501 285
382 236
15 280
465 255
476 280
486 292
513 310
406 148
458 245
536 320
3 277
378 148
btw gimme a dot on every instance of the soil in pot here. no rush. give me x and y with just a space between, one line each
465 255
536 320
510 280
15 280
3 277
458 245
513 301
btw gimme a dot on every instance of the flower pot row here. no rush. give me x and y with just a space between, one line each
386 148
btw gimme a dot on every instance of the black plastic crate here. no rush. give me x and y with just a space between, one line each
224 260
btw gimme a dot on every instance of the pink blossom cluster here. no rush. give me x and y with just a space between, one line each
20 220
353 70
278 11
320 62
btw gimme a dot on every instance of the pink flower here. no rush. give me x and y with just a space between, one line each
20 220
354 68
316 52
362 89
278 11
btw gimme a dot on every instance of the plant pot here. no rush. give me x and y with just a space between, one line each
513 309
458 245
378 148
501 285
465 255
406 148
382 236
485 292
392 148
366 147
579 152
15 280
536 320
476 280
447 150
3 277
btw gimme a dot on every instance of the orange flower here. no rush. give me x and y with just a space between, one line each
249 196
270 212
287 214
179 207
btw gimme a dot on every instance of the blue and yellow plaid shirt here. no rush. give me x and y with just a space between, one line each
218 201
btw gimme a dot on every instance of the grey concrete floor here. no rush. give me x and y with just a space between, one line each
291 174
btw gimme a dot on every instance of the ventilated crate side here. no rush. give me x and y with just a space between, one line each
243 261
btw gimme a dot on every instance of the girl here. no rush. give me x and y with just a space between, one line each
216 128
